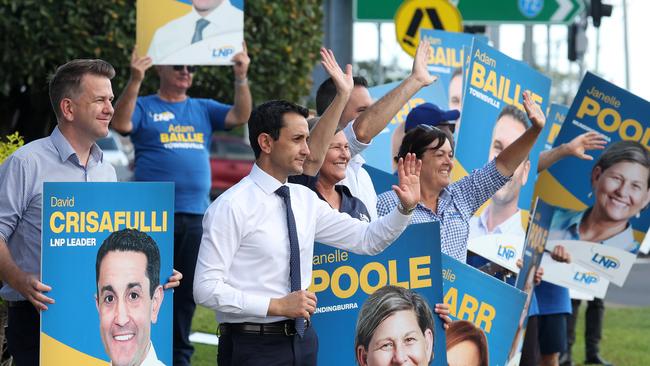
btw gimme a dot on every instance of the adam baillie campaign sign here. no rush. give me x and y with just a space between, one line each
77 219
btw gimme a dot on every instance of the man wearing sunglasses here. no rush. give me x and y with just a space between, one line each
171 134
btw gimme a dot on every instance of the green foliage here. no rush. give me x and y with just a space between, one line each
14 141
283 39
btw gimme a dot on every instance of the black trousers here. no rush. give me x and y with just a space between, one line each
188 230
23 334
593 326
530 353
268 350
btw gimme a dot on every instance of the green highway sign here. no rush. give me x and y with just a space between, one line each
485 12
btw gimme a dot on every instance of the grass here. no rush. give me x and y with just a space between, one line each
626 336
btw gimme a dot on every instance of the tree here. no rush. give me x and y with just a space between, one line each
283 39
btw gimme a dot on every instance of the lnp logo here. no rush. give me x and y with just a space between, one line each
530 8
223 51
506 251
605 261
588 278
163 117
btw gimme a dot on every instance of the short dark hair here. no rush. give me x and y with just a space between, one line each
132 240
269 118
516 113
462 330
629 151
457 72
382 304
66 80
417 139
327 91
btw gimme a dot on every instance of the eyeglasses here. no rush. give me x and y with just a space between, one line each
190 69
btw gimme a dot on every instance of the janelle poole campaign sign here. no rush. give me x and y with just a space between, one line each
536 238
342 281
83 327
446 59
578 186
380 153
555 117
174 32
483 300
495 83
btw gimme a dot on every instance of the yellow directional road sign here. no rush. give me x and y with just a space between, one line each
414 15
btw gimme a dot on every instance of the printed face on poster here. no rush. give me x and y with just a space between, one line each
611 190
107 249
190 32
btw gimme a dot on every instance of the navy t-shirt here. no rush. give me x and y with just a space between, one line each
172 143
349 204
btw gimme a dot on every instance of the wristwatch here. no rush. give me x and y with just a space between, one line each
403 210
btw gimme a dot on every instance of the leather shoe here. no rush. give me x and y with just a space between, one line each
597 360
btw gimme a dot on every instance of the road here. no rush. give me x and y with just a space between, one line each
636 291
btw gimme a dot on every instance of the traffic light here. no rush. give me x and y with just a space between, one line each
598 10
577 41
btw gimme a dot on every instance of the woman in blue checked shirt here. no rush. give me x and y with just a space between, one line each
454 204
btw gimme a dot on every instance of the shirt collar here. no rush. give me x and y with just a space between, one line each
264 180
511 225
625 236
65 150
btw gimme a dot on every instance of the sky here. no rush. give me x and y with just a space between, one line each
611 65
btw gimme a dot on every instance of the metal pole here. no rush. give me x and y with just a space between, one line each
597 49
380 74
625 42
548 48
528 46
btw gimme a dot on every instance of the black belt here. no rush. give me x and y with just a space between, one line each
19 304
285 328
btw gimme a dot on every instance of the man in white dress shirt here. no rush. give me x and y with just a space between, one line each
211 33
255 260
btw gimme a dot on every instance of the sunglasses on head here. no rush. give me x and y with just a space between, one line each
190 68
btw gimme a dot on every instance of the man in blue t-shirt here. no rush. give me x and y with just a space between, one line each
171 133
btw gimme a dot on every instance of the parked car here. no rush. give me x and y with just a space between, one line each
114 154
231 159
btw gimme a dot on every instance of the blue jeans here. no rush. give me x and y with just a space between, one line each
188 230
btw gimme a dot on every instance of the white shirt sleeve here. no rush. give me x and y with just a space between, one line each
222 234
341 231
356 146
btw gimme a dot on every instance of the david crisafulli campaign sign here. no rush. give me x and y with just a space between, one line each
493 117
106 306
609 192
185 32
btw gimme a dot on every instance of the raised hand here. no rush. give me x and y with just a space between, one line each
139 65
534 111
240 63
587 141
408 172
420 71
343 81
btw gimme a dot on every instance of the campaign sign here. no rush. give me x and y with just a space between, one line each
579 185
574 276
502 249
86 328
447 57
536 238
485 301
495 81
174 32
612 263
381 152
342 281
555 118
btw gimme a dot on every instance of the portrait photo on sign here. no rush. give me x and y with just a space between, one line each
190 32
